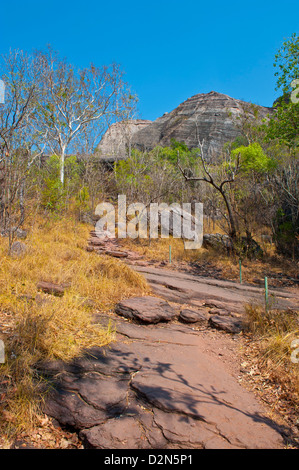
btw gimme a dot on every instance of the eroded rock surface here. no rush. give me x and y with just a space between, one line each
146 309
191 316
206 116
157 387
165 384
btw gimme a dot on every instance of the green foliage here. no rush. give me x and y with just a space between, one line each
52 187
82 199
147 176
54 193
284 126
238 142
286 233
287 63
253 158
175 151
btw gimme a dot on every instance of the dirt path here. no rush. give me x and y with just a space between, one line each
160 386
168 385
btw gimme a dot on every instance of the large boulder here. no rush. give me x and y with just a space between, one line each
146 309
117 140
217 241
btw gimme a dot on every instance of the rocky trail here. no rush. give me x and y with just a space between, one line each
172 378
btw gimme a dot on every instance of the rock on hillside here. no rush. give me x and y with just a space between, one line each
117 139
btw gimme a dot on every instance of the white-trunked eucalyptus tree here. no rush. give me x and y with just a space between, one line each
20 144
72 101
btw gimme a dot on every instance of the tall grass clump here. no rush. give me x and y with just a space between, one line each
275 331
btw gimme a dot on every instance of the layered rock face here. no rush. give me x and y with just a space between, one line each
118 138
207 116
210 117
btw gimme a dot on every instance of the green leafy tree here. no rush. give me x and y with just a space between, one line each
283 128
55 194
284 124
227 179
287 64
72 101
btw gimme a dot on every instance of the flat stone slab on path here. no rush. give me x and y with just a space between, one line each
160 386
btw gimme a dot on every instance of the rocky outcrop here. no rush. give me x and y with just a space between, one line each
18 249
117 140
206 116
217 241
210 117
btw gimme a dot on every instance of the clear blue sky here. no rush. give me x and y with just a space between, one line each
169 50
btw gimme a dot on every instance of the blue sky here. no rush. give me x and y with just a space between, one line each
169 50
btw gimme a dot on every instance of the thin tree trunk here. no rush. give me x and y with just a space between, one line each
62 159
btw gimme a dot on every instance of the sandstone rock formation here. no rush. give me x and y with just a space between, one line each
209 116
190 316
146 309
158 387
117 140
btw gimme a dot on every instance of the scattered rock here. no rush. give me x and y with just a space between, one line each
42 299
87 399
217 241
93 233
190 316
250 248
95 241
26 297
116 254
228 324
51 288
114 434
18 232
18 248
146 309
89 217
219 311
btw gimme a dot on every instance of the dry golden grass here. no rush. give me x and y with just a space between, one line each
227 266
275 331
40 326
158 249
